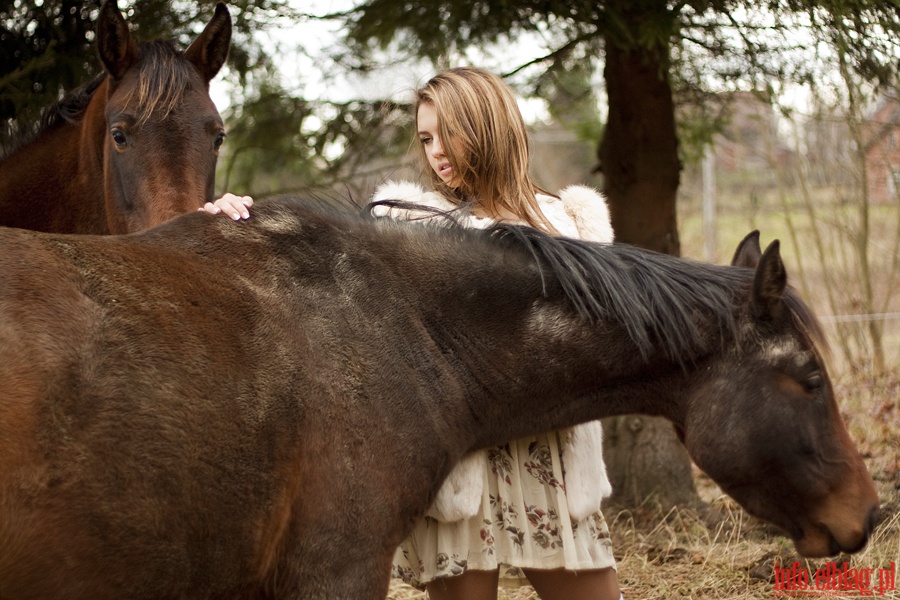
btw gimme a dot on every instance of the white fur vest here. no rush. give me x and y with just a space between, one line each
579 212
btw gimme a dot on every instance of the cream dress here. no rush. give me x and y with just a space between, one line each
525 509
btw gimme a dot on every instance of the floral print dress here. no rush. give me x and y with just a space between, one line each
523 523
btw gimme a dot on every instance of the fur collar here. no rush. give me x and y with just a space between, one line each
579 211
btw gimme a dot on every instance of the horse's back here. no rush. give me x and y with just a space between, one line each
167 399
42 320
107 450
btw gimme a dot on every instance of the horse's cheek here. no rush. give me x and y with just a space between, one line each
714 430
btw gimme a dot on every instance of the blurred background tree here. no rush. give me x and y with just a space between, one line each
46 47
278 140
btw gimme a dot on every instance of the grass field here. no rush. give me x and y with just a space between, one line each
717 551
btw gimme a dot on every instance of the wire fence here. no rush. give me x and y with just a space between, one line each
860 318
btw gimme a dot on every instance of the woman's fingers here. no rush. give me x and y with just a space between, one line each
234 206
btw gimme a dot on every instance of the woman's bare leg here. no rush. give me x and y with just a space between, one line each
561 584
471 585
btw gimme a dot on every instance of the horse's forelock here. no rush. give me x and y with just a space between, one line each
163 78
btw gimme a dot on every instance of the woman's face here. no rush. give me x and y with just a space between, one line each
427 124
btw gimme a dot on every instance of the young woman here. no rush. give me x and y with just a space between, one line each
530 509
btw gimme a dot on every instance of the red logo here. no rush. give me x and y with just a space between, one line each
834 579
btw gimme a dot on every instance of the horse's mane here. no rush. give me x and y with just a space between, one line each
67 109
70 107
162 82
656 297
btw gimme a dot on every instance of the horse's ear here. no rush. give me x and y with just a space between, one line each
116 47
748 251
209 51
769 284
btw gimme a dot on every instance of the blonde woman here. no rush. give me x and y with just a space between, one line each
527 511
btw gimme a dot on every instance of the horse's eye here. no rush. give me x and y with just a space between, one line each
119 138
219 140
813 382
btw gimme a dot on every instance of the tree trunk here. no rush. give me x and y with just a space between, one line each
639 150
639 159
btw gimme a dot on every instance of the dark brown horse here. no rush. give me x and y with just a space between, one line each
133 148
212 409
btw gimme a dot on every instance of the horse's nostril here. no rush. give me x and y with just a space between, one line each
834 547
874 517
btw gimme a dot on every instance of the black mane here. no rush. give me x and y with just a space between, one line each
656 297
67 109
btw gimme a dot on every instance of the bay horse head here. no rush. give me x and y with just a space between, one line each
131 149
765 425
162 130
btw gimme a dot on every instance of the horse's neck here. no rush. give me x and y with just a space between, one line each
45 184
596 372
546 367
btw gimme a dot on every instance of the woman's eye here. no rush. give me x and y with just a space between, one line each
119 138
425 140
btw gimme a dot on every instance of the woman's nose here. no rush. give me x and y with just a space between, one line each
436 148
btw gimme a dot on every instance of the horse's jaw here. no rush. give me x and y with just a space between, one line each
840 523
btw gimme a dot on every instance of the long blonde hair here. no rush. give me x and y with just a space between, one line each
489 151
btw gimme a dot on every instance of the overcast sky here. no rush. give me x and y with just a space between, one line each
297 45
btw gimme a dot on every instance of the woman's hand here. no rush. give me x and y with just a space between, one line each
236 207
